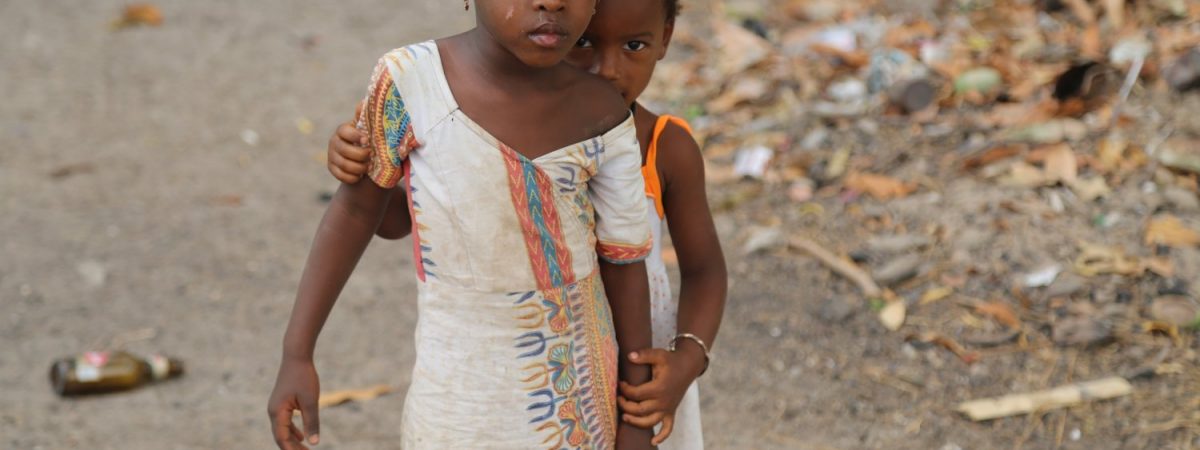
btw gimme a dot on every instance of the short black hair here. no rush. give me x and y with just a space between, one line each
672 8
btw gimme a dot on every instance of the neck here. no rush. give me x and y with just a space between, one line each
496 61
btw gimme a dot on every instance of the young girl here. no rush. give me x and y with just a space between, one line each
623 43
513 193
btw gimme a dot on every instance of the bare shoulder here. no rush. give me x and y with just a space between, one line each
679 154
605 107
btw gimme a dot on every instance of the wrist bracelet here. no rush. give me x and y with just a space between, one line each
698 341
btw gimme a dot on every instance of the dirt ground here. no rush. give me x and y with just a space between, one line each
169 179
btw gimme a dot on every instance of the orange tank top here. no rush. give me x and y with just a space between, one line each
650 168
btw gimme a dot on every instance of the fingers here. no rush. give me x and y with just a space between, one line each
281 428
341 175
312 422
642 392
646 422
639 408
296 433
668 425
357 111
352 169
349 134
650 356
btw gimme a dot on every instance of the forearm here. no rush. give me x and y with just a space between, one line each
341 238
701 305
628 293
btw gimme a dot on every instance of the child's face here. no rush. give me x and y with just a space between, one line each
540 33
624 42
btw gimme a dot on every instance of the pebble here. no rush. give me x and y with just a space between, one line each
835 310
898 269
93 273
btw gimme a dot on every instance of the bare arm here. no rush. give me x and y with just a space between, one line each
347 161
704 281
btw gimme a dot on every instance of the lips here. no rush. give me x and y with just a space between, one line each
548 35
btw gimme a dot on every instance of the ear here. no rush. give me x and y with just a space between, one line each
668 31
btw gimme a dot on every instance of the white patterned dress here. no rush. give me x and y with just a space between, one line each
664 308
514 337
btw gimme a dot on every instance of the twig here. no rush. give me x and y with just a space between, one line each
839 266
1130 80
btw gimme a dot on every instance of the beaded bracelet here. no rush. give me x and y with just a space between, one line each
698 341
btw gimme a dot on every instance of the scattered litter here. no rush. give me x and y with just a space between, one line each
353 395
1060 397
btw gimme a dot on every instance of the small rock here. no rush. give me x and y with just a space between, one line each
980 80
899 269
1184 74
93 273
1175 309
762 238
835 310
1182 199
1075 434
815 139
250 137
1082 331
897 243
1066 285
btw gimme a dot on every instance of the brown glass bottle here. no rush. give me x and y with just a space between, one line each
99 372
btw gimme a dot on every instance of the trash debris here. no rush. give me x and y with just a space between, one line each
1042 277
1000 312
761 238
103 371
801 190
752 162
979 81
1059 397
335 398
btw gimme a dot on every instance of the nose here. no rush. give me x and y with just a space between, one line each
550 5
606 66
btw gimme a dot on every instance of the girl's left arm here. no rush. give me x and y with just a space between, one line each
703 279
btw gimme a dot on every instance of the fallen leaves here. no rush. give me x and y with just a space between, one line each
1170 231
139 14
938 339
881 187
1001 312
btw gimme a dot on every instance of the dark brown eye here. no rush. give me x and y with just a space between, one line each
635 46
583 43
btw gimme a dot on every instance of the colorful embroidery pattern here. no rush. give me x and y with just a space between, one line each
623 253
388 128
533 199
571 381
421 247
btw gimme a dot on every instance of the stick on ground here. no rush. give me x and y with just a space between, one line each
1073 394
839 266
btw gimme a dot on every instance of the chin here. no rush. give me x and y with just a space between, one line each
541 59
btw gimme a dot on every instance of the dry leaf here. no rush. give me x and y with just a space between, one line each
140 14
740 48
353 395
1111 152
1170 231
990 156
1169 329
939 339
1024 175
879 186
740 90
1089 189
1098 260
1061 165
935 294
892 315
1000 312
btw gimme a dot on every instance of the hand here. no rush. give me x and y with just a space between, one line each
649 404
347 158
630 437
296 388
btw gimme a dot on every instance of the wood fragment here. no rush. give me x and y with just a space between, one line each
839 266
1063 396
353 395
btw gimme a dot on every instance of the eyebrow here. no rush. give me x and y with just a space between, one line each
646 34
